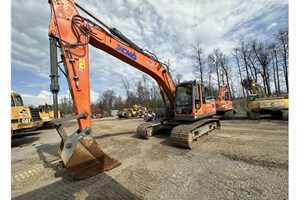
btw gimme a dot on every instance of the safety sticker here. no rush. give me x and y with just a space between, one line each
23 112
81 64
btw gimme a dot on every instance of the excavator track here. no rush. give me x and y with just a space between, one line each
145 130
192 135
229 114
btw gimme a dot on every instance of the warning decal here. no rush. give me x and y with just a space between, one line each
81 64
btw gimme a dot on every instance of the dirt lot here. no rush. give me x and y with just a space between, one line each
244 160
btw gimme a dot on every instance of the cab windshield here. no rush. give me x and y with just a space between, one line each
16 101
183 99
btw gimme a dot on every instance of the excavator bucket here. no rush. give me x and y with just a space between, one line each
84 158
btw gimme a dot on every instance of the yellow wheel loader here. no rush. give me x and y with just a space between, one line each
23 117
135 111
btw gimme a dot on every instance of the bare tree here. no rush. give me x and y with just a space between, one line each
119 103
236 55
214 64
108 100
263 57
130 96
223 61
283 39
209 84
155 98
126 85
142 94
198 55
252 61
243 50
273 52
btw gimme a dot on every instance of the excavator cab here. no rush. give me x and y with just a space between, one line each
224 104
190 102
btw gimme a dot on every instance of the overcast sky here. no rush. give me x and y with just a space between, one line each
164 27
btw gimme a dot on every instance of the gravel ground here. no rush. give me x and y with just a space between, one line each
245 159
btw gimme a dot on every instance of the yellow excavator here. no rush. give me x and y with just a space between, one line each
258 104
23 117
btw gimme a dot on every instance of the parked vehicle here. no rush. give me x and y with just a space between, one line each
23 117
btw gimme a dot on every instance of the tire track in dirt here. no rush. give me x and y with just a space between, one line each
252 129
139 181
256 161
36 171
155 169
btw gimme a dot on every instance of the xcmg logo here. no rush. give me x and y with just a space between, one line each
126 52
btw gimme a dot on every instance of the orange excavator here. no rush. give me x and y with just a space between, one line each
186 114
224 103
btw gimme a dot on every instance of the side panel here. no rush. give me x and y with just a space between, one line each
21 119
223 105
275 104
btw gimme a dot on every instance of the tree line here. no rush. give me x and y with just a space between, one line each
145 93
265 62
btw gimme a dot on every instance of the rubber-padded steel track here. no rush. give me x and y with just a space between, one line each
193 134
145 130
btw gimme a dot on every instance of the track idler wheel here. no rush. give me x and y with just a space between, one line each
253 115
145 130
229 114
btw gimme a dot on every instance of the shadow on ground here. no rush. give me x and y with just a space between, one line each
100 186
24 138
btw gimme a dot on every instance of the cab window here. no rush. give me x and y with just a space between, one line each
12 102
19 101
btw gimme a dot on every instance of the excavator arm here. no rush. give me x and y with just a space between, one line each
254 88
224 93
223 102
72 34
